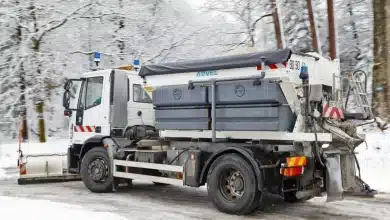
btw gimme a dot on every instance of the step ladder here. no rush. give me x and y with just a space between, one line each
358 89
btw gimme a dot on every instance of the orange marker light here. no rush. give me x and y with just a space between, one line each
296 161
292 171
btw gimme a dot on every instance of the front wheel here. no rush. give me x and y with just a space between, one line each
232 185
96 170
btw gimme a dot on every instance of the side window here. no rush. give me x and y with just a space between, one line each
93 96
140 95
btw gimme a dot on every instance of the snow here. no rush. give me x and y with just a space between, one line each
47 210
375 160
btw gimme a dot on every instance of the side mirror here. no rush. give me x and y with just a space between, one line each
66 99
68 85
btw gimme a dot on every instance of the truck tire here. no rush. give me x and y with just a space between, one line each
232 185
96 171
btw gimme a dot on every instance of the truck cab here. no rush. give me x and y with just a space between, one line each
96 105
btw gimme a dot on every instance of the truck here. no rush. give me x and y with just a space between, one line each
244 125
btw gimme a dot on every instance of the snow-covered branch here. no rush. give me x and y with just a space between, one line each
56 24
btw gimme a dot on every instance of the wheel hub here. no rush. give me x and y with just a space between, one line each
236 184
232 185
98 170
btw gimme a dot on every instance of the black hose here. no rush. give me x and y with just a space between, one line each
317 147
356 160
177 156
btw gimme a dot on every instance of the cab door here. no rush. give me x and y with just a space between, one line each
92 114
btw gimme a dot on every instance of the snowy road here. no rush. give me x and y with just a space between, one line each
146 201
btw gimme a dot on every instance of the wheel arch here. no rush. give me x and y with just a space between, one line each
92 142
244 153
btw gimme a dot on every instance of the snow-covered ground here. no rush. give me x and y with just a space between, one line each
374 160
21 208
145 201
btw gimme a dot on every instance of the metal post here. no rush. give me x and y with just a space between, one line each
313 27
213 111
332 34
90 58
278 31
334 87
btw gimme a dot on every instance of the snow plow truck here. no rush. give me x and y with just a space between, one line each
243 125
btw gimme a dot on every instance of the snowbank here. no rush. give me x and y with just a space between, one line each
20 208
375 161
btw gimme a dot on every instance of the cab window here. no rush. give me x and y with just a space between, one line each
140 95
93 95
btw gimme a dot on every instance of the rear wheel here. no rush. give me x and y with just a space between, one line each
232 185
96 170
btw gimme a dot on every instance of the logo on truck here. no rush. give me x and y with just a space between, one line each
206 73
239 91
177 94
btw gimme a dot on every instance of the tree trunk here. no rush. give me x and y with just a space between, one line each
40 97
380 68
39 107
354 31
23 111
121 43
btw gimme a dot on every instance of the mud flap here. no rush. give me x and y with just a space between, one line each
334 183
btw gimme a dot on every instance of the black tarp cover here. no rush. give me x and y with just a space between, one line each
225 62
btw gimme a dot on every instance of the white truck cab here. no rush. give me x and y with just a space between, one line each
90 100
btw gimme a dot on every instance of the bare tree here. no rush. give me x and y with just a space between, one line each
247 14
32 28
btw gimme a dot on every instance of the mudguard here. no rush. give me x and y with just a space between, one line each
334 183
90 143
